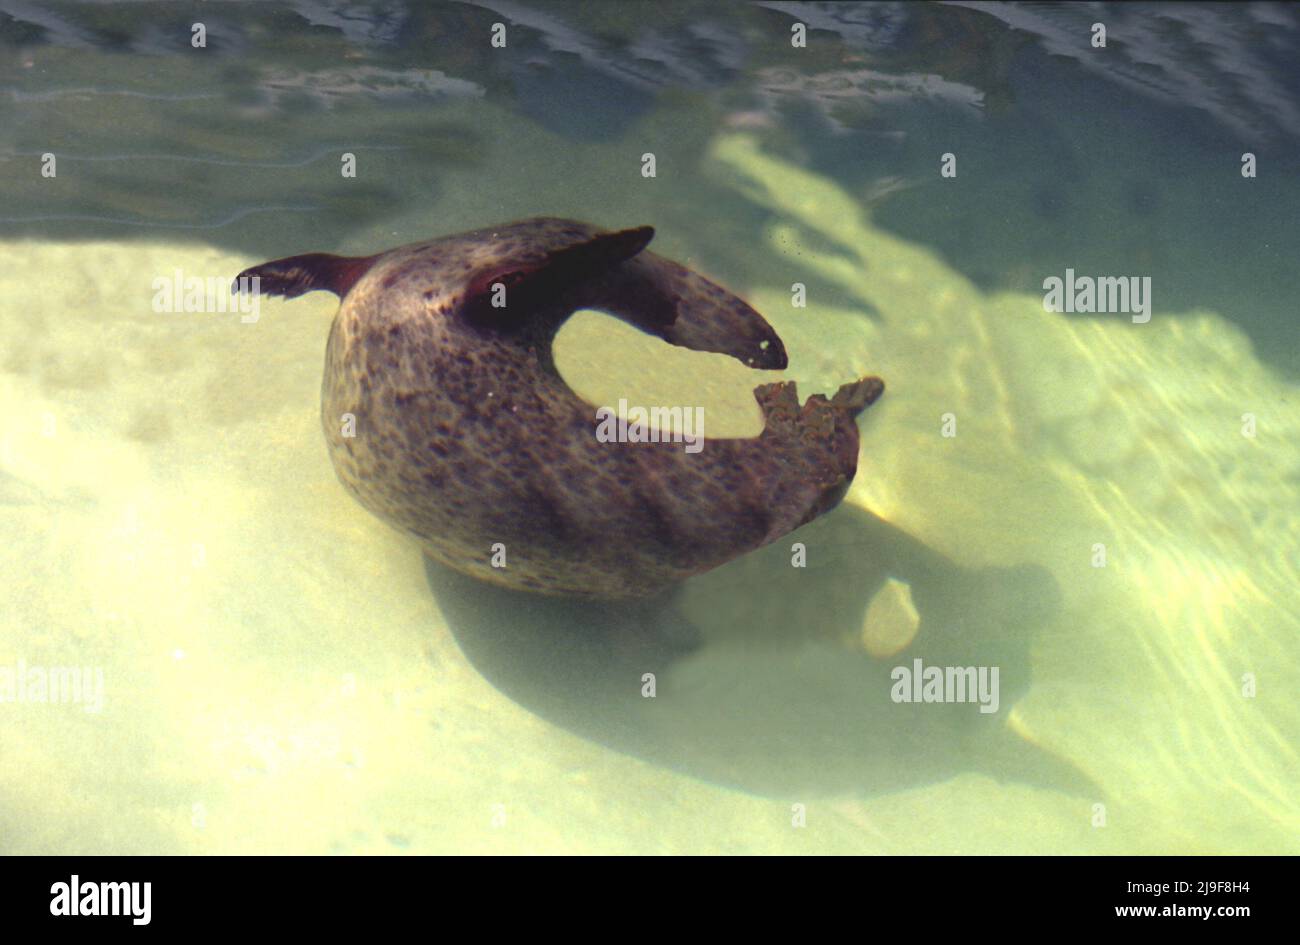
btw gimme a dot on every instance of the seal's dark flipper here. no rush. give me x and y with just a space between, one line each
297 275
534 280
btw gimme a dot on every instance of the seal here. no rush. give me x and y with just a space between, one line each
446 417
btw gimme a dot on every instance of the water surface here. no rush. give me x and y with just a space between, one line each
1113 525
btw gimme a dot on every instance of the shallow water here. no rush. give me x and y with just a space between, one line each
1106 509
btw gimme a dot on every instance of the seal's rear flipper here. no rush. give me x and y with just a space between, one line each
817 416
818 443
857 396
297 275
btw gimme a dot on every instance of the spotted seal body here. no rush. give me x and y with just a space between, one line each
466 436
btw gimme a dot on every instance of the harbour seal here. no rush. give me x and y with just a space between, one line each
446 417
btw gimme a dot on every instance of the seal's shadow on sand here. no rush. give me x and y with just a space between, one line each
757 683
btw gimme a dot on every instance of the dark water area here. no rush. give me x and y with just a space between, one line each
1123 160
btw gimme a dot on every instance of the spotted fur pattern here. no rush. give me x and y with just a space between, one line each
466 436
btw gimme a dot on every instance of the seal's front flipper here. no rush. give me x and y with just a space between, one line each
507 294
297 275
